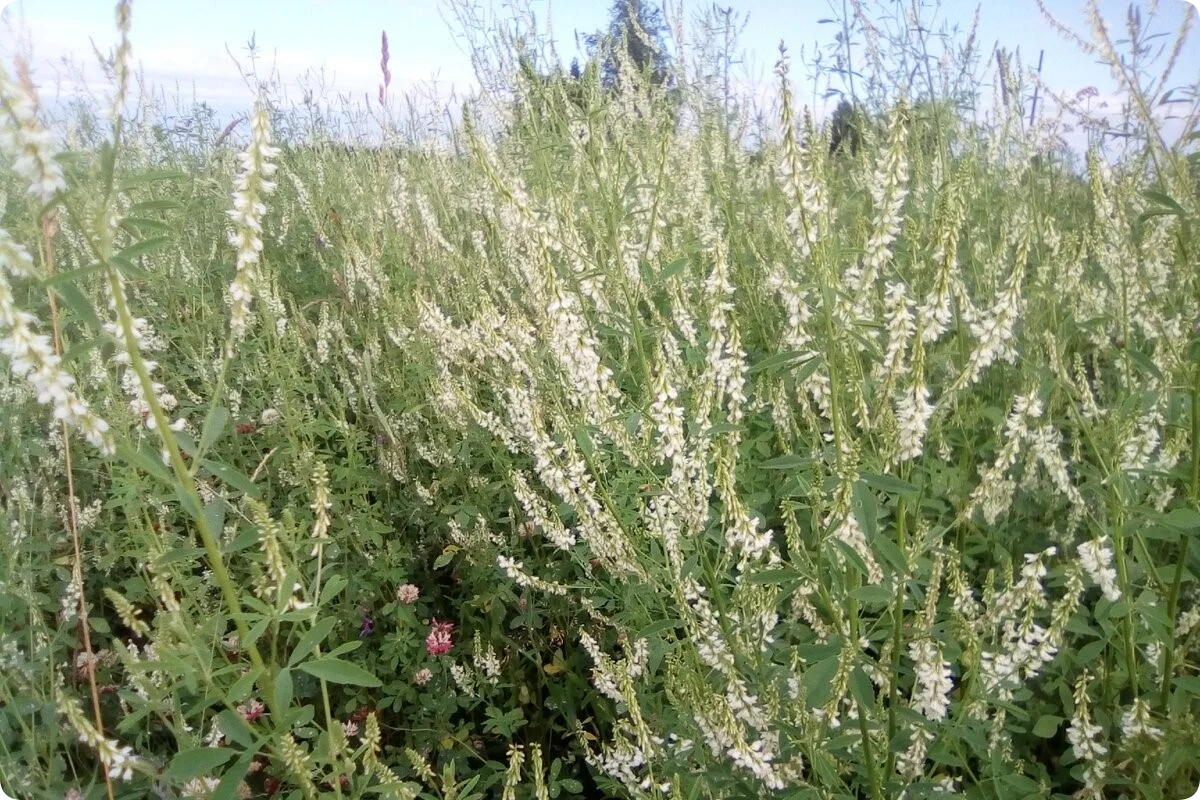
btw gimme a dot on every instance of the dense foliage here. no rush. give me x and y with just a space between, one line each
599 457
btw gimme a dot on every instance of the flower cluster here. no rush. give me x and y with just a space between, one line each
440 639
931 696
1096 558
251 186
30 145
31 354
119 760
32 357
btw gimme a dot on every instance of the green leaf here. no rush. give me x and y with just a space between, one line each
1164 200
655 628
197 761
177 554
446 557
258 629
304 716
674 268
332 588
148 464
214 515
851 555
795 486
784 360
311 638
78 304
1145 364
866 509
888 483
150 176
244 685
246 539
1155 615
724 427
76 351
584 440
872 595
140 248
1160 533
464 788
1076 625
214 425
818 682
632 423
231 476
1090 652
334 670
343 649
504 723
137 226
227 788
782 575
890 552
1046 726
235 728
806 370
1027 787
71 275
189 502
186 443
283 689
861 688
1182 518
787 462
155 205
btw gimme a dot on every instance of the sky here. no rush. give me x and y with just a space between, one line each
188 47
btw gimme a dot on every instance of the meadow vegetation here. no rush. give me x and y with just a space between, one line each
605 446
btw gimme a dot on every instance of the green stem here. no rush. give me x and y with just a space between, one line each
868 755
1184 541
1172 610
329 721
897 636
868 752
188 486
1196 433
1127 622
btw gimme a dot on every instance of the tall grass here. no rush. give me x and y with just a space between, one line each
595 454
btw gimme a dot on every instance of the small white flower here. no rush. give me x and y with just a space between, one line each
247 212
931 695
1096 558
913 411
30 145
1136 723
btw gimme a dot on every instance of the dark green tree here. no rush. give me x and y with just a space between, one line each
845 129
636 26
